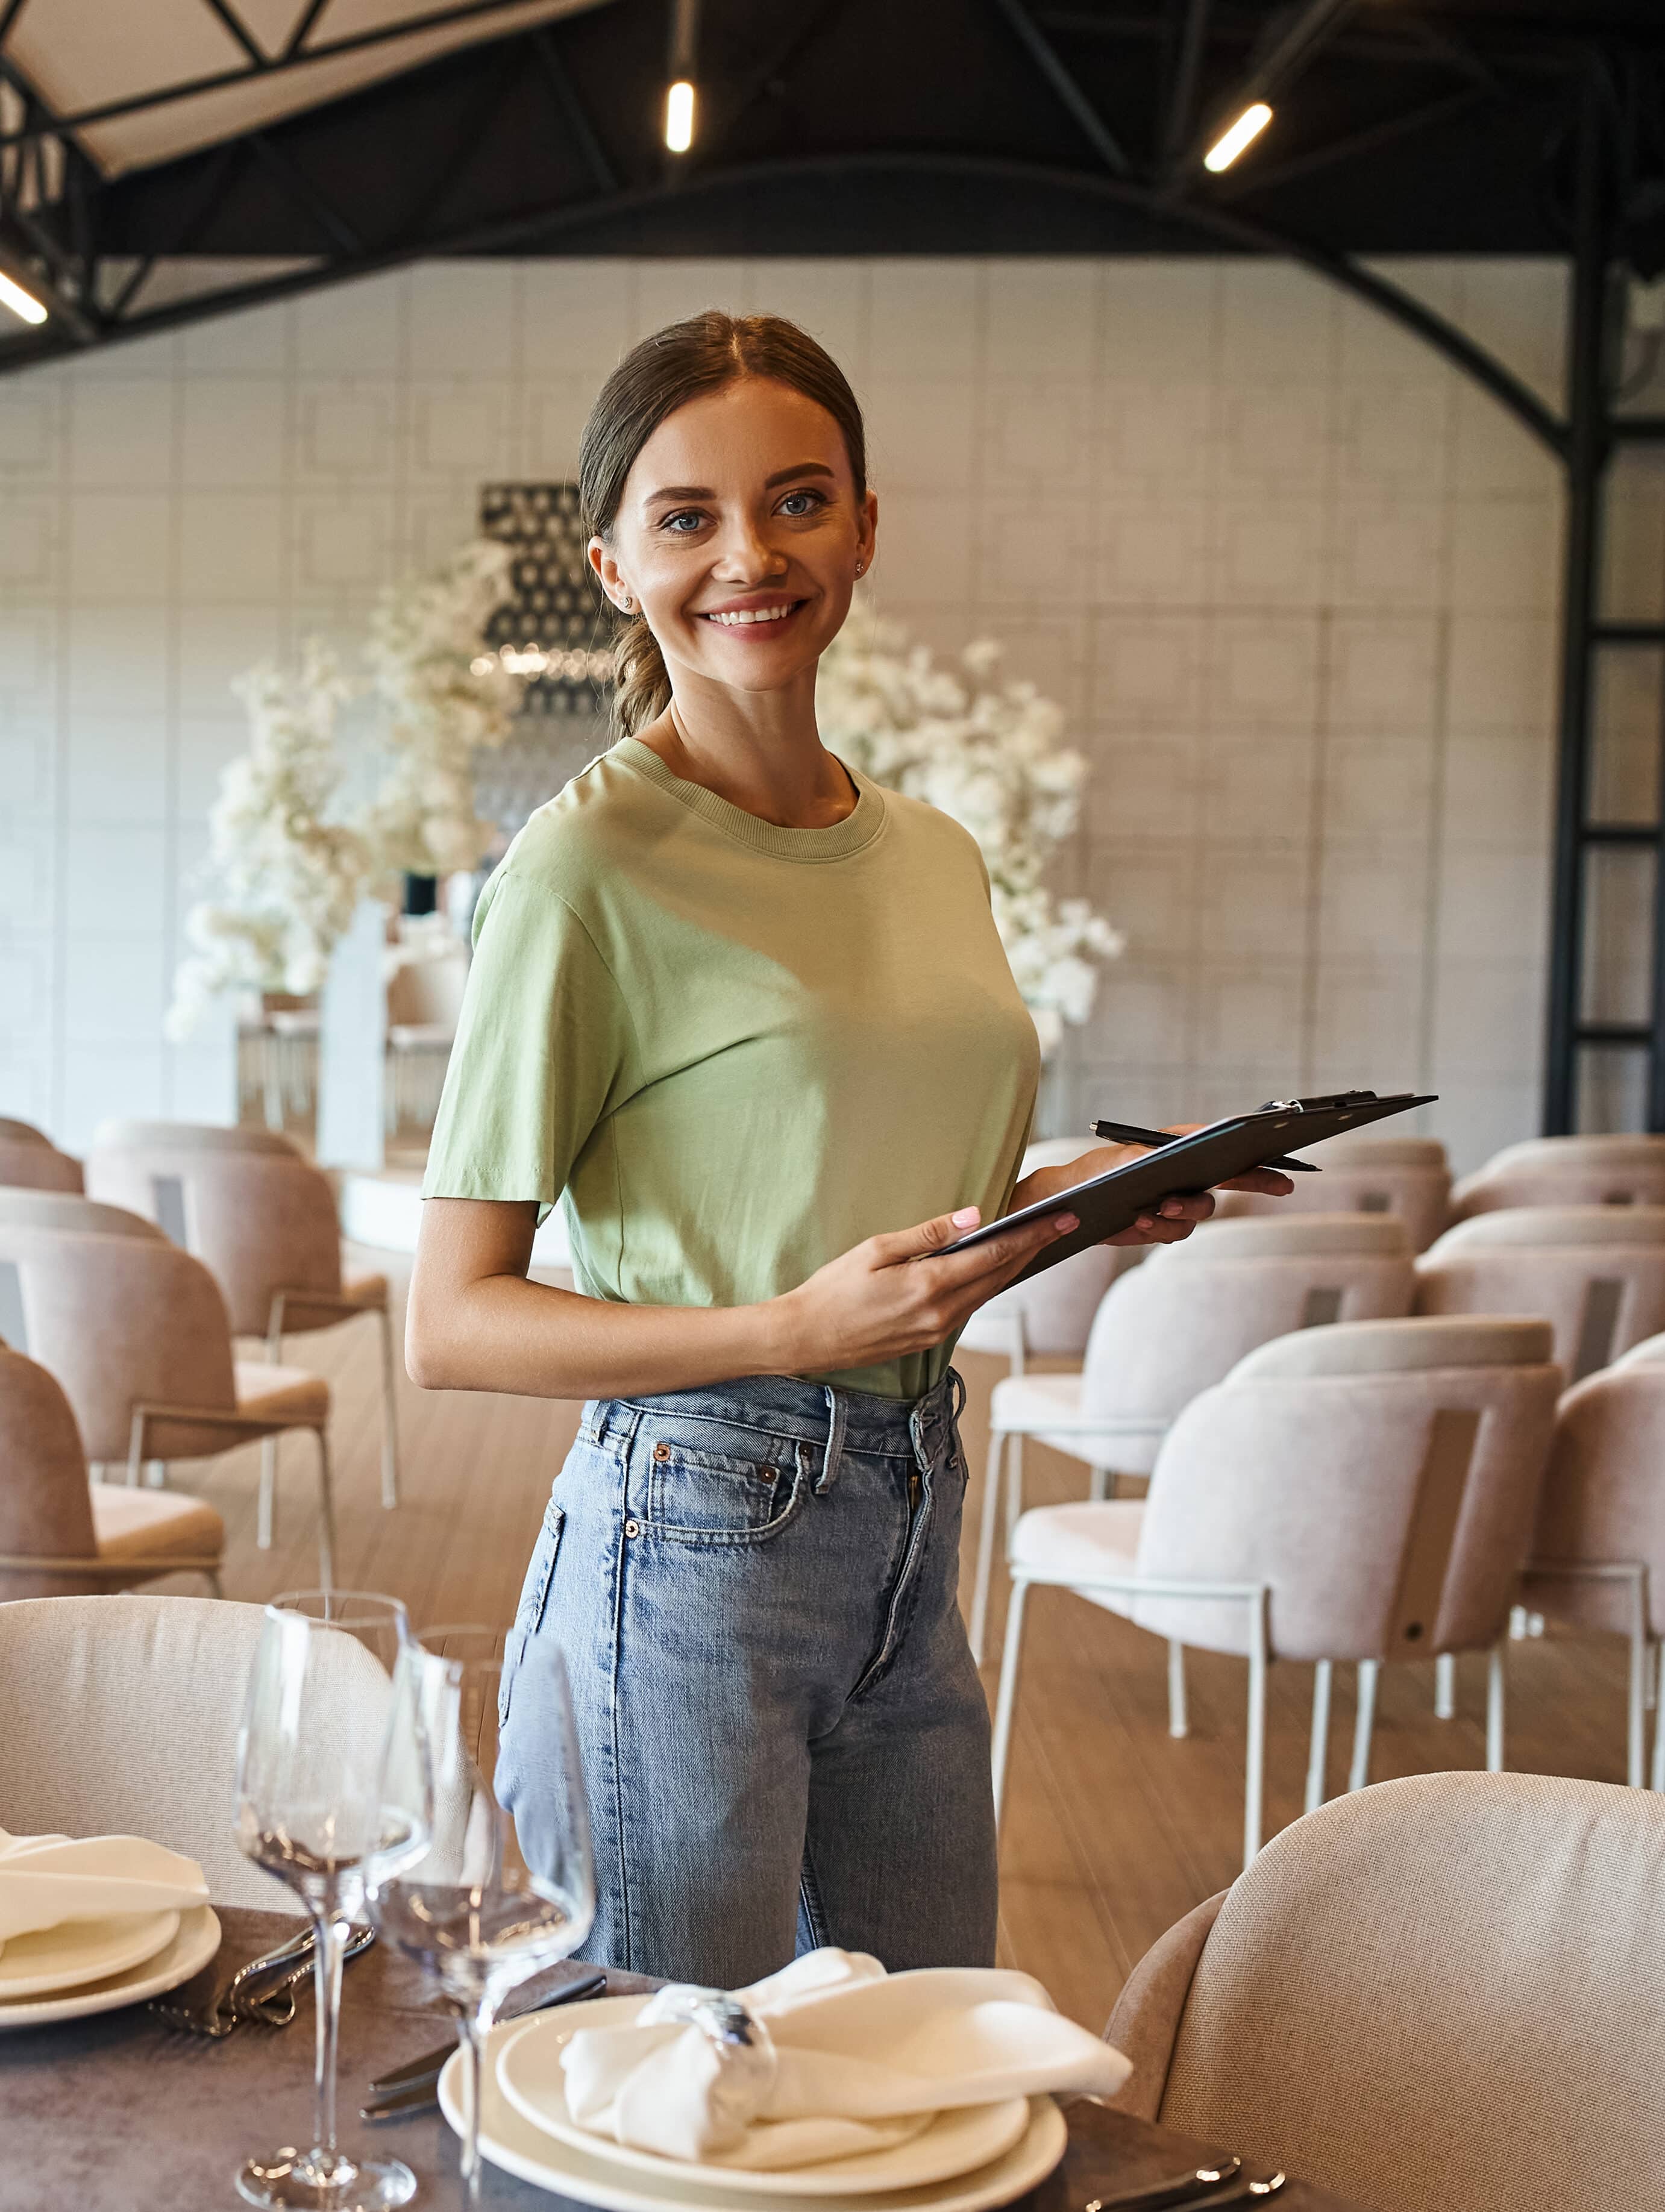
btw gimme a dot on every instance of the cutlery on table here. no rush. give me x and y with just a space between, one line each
216 2017
1223 2182
272 2003
409 2088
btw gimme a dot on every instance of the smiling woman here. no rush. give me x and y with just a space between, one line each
747 1017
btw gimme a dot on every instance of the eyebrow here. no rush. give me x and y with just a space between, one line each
781 477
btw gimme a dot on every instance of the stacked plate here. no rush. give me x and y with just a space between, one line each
84 1966
965 2161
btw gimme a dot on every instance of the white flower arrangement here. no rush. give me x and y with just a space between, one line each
444 702
989 753
285 879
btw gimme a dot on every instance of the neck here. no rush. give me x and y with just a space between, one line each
760 751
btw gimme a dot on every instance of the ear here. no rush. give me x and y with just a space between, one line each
867 530
600 556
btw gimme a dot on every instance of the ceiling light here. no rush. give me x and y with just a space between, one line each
20 302
1226 148
680 116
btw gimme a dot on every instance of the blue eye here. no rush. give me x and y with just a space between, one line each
814 499
689 515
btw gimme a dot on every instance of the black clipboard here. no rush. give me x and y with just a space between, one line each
1111 1203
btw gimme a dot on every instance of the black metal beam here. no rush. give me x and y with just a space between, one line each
8 15
303 30
573 111
1587 350
1243 232
1269 76
1041 51
295 182
1188 70
433 19
222 10
1235 184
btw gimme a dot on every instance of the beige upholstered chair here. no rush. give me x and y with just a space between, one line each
424 1001
1595 1272
30 1161
1406 1176
1598 1557
262 1218
136 1332
1363 1493
1172 1327
121 1719
1566 1171
60 1535
1443 1992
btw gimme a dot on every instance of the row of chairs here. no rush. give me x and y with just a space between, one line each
131 1298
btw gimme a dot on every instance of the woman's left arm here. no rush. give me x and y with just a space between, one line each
1168 1224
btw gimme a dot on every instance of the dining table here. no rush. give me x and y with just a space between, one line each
118 2111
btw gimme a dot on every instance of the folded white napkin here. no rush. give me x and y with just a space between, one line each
47 1880
828 2057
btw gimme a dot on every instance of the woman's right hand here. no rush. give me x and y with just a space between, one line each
888 1297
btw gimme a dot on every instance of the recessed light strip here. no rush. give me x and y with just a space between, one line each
680 116
1247 128
20 302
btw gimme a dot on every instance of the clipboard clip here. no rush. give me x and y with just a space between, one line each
1329 1104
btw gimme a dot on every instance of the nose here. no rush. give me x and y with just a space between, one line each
745 555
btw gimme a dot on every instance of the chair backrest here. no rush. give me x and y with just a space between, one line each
123 1136
1406 1176
1182 1320
260 1218
427 990
1439 1992
1623 1171
30 1161
1381 1477
1604 1494
122 1716
1596 1273
119 1321
58 1209
45 1505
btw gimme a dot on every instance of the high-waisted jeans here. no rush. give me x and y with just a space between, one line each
784 1739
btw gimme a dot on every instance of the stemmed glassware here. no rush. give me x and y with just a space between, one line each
333 1790
488 1904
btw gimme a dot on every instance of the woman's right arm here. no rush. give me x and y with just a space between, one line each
475 1322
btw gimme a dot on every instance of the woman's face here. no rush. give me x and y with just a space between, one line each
740 536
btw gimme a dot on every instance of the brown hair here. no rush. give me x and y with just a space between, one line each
684 361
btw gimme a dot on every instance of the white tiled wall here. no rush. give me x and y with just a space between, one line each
1294 579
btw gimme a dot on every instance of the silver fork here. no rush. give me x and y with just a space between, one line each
218 2016
274 2005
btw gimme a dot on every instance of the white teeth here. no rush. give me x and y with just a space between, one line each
749 615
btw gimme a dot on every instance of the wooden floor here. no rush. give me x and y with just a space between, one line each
1113 1829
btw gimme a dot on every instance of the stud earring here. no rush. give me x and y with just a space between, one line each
627 604
861 567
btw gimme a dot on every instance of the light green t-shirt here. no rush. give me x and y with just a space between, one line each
734 1050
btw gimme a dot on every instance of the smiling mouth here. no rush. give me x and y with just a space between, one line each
754 617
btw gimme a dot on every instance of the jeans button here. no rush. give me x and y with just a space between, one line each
661 1451
633 1528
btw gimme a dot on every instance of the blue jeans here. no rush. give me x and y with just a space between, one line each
784 1739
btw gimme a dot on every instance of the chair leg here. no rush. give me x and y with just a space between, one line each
211 1577
1014 1487
1494 1706
1364 1725
1179 1719
1007 1698
1445 1686
155 1473
1657 1778
985 1543
1318 1755
1101 1484
265 1523
1255 1760
1636 1732
270 1082
1651 1693
390 1433
326 1514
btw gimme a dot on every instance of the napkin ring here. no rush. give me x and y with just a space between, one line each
720 2016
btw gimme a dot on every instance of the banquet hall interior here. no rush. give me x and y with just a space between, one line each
1266 407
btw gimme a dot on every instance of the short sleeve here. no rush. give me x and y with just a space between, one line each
541 1051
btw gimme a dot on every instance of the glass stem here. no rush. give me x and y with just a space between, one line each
471 2031
327 1966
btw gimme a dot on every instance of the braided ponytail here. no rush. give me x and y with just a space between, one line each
684 361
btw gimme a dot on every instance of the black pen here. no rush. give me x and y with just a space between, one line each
1126 1133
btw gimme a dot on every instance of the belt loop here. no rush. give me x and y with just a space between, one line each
835 1451
916 1437
959 1382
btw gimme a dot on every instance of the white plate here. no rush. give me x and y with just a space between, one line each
78 1951
192 1947
529 2074
513 2143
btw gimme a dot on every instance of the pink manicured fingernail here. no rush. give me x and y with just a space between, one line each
1066 1222
967 1217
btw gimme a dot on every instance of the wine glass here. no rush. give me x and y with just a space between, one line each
487 1905
331 1786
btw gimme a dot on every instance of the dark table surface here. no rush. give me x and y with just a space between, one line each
119 2112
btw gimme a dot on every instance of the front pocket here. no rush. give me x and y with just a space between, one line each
693 1493
535 1591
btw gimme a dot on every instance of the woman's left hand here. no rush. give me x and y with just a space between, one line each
1170 1223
